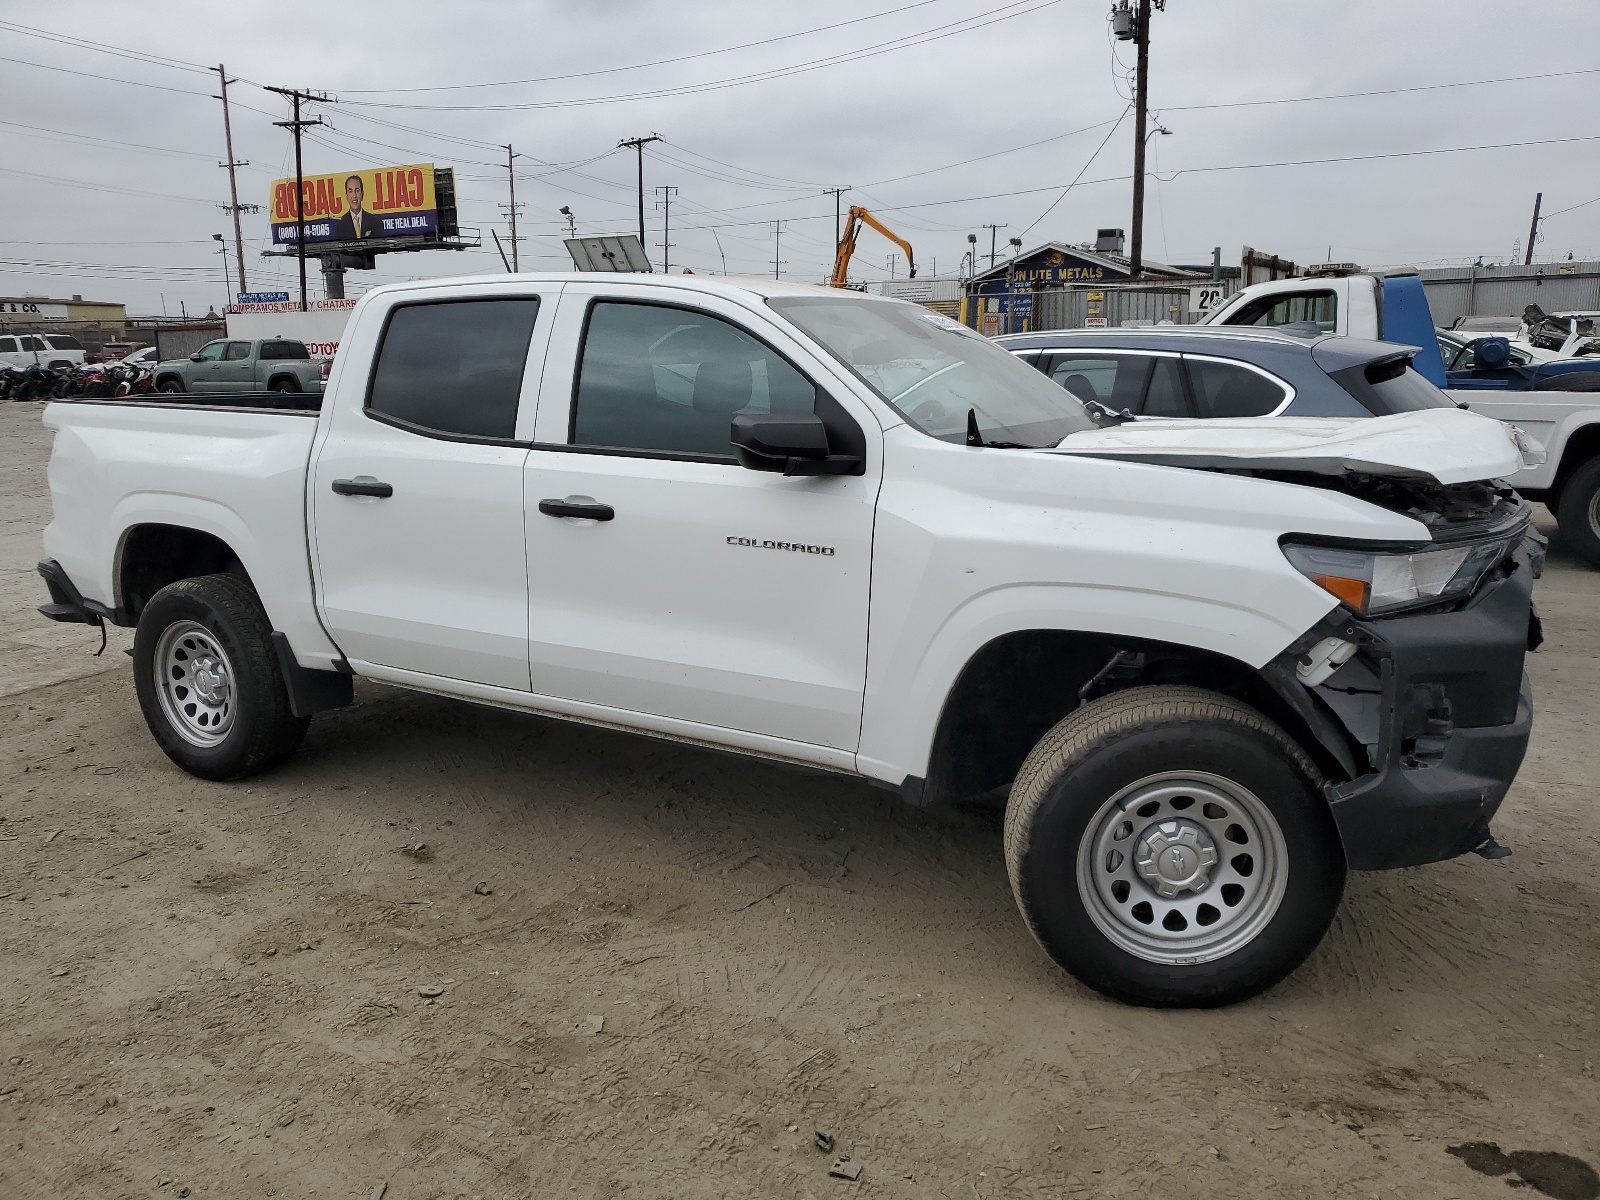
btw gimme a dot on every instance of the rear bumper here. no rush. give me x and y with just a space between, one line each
66 603
1440 708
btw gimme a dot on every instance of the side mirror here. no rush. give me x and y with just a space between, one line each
795 445
196 358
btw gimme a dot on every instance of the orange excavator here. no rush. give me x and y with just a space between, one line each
847 244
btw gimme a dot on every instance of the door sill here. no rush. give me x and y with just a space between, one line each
711 737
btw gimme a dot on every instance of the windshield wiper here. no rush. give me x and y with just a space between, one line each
975 437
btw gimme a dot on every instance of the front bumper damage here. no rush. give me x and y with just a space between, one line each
1430 720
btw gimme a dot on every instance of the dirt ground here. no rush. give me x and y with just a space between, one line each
660 970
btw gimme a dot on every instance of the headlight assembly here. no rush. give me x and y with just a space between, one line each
1373 582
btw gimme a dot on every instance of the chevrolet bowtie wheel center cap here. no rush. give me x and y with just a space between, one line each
1175 856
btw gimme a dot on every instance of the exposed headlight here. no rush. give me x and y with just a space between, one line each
1375 582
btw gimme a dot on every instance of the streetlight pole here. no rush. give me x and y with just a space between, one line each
665 205
223 246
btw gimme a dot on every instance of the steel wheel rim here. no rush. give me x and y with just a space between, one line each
1594 514
1154 837
195 683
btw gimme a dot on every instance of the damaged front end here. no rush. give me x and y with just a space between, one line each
1415 686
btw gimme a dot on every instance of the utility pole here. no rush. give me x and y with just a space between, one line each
992 229
638 145
235 208
1139 34
295 126
838 226
511 176
777 240
665 205
1533 230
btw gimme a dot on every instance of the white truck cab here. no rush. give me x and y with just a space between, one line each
1214 672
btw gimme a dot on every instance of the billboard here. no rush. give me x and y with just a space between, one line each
353 206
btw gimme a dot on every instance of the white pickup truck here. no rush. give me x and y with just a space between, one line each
1560 410
1215 672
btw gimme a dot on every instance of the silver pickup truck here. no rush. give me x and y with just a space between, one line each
238 365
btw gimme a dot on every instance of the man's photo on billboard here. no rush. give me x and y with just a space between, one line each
356 223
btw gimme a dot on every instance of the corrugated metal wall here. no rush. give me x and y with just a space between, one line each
1505 291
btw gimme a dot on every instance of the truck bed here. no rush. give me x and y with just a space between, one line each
234 470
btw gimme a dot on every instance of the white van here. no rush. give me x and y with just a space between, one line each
51 349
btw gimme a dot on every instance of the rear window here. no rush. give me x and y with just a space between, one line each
60 341
284 350
1320 308
1390 385
454 367
1225 389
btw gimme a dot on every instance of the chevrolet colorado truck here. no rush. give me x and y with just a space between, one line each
237 365
1216 664
1555 403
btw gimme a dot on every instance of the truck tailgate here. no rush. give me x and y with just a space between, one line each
237 474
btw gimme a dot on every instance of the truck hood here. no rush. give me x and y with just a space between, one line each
1439 445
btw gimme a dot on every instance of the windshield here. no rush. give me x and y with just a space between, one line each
934 371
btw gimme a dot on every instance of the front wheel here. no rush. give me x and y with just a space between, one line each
1170 847
208 679
169 385
1578 513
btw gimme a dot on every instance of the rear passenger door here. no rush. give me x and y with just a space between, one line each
417 490
236 372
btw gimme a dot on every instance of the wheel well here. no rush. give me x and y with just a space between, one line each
153 556
167 376
1581 447
1016 688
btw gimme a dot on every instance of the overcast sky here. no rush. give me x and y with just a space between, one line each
110 185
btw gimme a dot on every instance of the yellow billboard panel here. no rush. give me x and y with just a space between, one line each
352 206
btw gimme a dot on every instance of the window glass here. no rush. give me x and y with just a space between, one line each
659 378
1165 397
1391 386
61 341
1228 390
284 350
455 367
34 343
1115 380
212 351
237 351
1319 308
8 345
934 371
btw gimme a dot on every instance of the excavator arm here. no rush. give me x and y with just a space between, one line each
847 244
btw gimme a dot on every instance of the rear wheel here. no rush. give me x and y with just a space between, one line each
284 385
208 679
1169 846
1578 513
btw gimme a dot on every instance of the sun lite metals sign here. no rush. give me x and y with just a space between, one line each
353 206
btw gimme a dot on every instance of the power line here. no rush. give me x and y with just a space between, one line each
1088 162
660 62
966 25
1424 87
160 87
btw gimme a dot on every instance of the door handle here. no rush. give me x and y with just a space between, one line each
576 508
363 486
